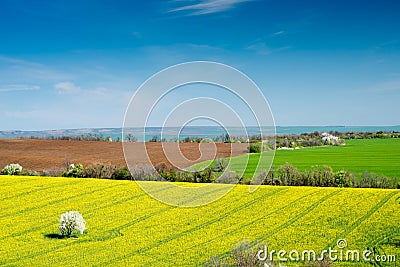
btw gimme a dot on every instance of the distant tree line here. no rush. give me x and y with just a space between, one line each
368 135
268 142
84 137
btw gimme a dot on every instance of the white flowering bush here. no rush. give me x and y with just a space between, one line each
71 222
329 139
12 169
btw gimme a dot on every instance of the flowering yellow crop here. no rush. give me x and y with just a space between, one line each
126 227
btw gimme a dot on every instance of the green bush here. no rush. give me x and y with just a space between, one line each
184 176
74 171
383 182
254 148
99 171
289 175
219 165
203 176
371 180
206 176
169 174
106 171
144 173
29 173
318 176
343 179
268 178
121 174
166 172
228 177
321 176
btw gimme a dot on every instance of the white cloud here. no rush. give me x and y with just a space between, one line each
67 87
278 33
18 87
204 47
71 88
208 6
100 91
18 61
137 35
260 48
29 114
28 70
387 86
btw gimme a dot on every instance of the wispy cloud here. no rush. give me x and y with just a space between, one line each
387 44
71 88
18 61
261 48
203 46
278 33
203 7
18 87
137 35
28 70
67 87
387 87
28 114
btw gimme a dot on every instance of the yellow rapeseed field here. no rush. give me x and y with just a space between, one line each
126 227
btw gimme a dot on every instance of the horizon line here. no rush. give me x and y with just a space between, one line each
191 126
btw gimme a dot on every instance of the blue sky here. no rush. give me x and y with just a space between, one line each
76 64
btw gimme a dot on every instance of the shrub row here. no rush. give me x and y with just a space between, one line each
285 175
324 176
106 171
207 175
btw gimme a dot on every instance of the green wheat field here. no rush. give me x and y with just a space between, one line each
381 156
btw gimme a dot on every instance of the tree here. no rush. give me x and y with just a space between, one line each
70 223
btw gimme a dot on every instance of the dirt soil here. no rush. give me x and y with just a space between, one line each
40 155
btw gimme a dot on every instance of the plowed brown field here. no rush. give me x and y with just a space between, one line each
42 155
